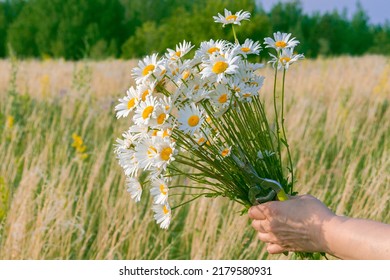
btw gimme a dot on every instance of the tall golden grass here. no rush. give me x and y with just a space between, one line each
56 205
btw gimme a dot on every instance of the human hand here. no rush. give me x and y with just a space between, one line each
293 225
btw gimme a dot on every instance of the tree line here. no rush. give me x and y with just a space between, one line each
99 29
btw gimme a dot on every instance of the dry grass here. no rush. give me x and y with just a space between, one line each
57 206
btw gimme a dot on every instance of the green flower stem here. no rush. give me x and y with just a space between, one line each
234 34
190 187
188 201
276 114
284 134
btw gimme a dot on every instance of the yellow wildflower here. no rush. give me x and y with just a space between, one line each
9 122
78 145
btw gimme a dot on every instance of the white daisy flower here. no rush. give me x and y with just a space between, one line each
166 132
124 143
236 84
178 70
211 47
252 66
280 41
165 152
127 104
190 118
162 214
197 95
195 84
186 74
287 57
225 152
181 50
146 153
145 89
221 96
201 137
249 47
146 67
134 188
156 172
257 81
146 111
229 18
220 66
127 160
161 117
247 93
159 190
167 104
138 133
161 71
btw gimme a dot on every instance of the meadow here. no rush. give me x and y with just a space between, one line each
63 194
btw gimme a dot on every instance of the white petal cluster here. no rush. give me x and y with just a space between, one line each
175 100
284 47
229 18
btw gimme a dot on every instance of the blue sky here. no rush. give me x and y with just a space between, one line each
377 10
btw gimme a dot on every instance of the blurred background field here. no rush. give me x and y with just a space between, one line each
100 29
62 192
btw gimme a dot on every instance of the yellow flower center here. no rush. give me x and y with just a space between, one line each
201 140
166 132
225 152
162 190
165 210
151 151
231 17
223 98
166 153
154 133
147 69
161 118
193 120
178 53
147 111
185 75
247 95
131 103
144 94
280 44
167 107
220 67
213 49
285 59
245 49
236 89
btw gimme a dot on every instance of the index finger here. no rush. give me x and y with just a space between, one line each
255 212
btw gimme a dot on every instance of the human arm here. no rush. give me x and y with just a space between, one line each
305 224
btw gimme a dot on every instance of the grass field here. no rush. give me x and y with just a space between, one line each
56 203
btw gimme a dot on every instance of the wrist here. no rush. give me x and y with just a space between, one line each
329 233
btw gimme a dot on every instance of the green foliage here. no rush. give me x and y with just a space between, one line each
381 40
71 29
75 29
4 199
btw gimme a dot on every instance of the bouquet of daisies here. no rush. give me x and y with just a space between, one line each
202 117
